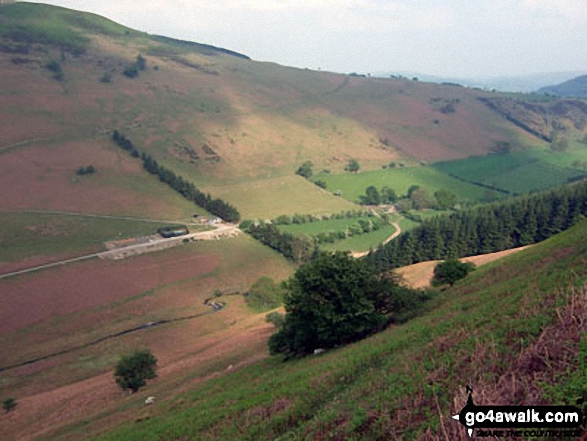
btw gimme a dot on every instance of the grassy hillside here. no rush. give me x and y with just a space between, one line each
500 331
231 125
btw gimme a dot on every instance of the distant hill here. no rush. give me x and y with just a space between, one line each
511 83
575 87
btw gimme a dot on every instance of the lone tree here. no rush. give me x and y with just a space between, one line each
9 404
334 300
451 270
133 371
353 166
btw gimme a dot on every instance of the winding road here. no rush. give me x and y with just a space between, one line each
397 232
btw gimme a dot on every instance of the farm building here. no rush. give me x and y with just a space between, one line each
173 231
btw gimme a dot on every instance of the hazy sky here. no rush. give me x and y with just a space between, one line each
439 37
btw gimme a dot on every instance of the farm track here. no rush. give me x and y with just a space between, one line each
203 235
397 232
216 306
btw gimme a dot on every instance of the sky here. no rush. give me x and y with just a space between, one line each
455 38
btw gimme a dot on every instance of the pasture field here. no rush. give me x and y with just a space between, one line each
270 198
518 172
356 391
323 226
56 236
362 242
352 185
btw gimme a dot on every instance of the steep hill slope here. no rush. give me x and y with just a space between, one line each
574 87
513 330
217 117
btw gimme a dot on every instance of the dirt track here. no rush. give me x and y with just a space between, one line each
397 232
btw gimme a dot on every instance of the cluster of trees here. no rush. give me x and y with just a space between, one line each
419 198
486 229
133 70
363 226
336 299
373 196
90 169
304 218
187 189
296 248
302 248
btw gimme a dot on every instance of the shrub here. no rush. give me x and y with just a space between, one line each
133 371
305 170
9 404
90 169
276 318
450 271
353 166
265 294
131 71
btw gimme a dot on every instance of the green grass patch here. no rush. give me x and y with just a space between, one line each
269 198
325 226
518 172
352 186
362 242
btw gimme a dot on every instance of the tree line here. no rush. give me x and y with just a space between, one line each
296 248
486 229
187 189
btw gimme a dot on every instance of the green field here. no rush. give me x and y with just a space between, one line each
352 186
325 226
518 172
269 198
26 235
361 242
483 329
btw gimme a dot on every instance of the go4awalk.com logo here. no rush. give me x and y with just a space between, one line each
536 421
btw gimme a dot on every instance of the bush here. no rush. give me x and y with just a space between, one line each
353 166
320 184
131 71
90 169
305 170
450 271
277 318
56 68
265 294
9 404
106 78
133 371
